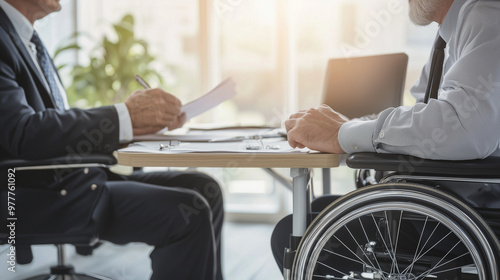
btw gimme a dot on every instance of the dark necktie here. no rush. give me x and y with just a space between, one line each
436 69
48 71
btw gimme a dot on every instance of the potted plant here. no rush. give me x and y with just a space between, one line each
108 77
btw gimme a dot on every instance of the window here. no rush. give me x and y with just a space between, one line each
275 50
169 27
248 36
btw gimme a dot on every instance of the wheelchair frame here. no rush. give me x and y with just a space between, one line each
463 222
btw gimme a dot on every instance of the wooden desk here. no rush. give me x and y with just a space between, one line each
300 164
229 160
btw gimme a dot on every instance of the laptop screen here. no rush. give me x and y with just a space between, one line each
360 86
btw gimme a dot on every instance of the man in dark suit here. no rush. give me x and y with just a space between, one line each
179 213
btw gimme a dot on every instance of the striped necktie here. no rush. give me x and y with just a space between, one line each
436 69
48 71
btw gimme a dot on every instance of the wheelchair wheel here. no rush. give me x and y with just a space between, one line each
398 232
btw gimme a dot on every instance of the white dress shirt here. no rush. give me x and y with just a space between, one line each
464 122
25 31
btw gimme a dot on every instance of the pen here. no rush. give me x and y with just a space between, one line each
141 81
228 139
248 137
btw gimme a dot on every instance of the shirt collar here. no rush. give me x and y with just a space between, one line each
21 24
450 21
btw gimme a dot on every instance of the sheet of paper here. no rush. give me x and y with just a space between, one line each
222 92
250 146
221 135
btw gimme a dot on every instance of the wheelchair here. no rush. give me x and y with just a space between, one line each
410 224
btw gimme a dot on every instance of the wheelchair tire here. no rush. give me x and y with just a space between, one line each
398 231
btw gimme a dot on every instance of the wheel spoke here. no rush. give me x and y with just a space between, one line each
427 241
391 251
454 268
418 245
420 254
440 265
361 248
383 241
354 254
368 241
435 244
327 277
338 271
347 258
394 265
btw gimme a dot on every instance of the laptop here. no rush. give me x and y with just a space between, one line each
360 86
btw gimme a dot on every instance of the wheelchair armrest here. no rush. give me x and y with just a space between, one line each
405 164
80 161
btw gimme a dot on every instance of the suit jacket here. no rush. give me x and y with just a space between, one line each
30 128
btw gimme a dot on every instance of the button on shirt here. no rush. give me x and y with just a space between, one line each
464 122
25 31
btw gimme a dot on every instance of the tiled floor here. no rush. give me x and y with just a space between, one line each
247 256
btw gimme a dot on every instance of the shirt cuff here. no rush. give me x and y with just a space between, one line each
357 136
126 132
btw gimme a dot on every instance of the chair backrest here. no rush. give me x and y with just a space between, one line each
84 238
361 86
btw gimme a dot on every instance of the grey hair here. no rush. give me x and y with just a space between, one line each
422 11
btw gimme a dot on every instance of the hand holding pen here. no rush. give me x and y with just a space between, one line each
151 110
142 82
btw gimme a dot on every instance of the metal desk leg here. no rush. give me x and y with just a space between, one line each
300 200
327 188
301 204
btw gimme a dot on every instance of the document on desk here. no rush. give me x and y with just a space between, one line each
222 135
250 146
222 92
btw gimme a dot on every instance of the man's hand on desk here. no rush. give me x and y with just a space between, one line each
154 109
316 129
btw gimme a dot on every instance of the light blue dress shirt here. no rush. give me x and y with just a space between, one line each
464 122
25 31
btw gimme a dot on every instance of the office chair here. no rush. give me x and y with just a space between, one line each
83 240
418 222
